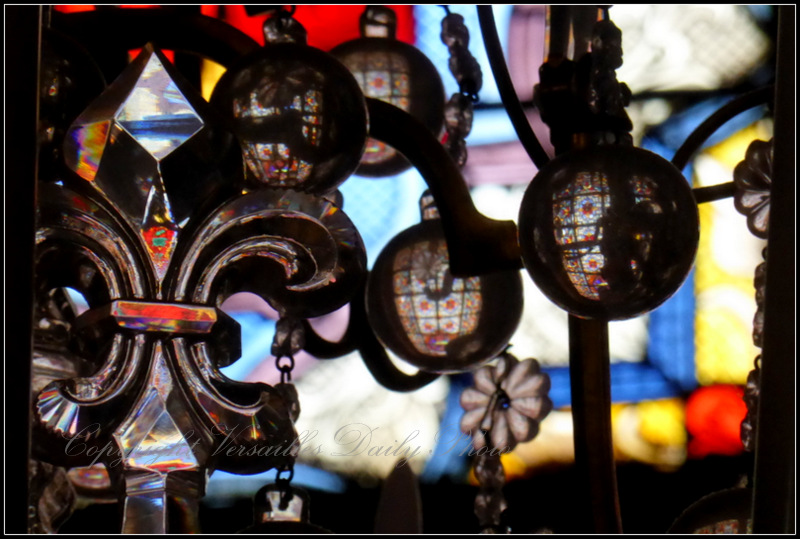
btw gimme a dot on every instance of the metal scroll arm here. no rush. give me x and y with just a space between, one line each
509 97
170 29
477 244
359 335
707 128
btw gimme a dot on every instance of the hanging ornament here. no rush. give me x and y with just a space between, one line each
723 512
504 408
435 321
280 508
608 232
465 68
299 114
394 72
506 404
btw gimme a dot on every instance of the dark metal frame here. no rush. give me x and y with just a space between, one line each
773 509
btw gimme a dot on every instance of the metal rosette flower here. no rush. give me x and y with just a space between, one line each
507 403
753 180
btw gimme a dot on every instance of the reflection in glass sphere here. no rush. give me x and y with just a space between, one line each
433 320
299 114
399 74
609 232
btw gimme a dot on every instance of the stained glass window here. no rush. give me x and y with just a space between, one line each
434 307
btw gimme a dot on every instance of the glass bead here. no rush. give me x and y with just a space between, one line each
609 232
428 317
300 117
406 79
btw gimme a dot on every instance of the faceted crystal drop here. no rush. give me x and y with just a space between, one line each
150 438
147 147
156 113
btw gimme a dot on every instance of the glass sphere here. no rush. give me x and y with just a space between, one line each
399 74
609 232
299 114
437 322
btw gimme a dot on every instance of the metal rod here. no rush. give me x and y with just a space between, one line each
374 355
590 382
167 28
714 192
507 93
477 245
23 37
718 119
774 473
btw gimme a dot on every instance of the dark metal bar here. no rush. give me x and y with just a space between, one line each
375 356
717 120
714 192
774 474
167 28
321 348
590 382
476 244
23 36
507 93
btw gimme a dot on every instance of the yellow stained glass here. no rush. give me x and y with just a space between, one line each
726 260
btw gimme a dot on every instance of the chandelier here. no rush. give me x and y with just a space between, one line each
155 205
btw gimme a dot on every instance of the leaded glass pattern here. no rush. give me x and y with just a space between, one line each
382 75
434 307
275 160
578 210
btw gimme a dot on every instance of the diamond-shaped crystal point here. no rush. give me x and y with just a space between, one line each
135 139
156 113
149 438
159 231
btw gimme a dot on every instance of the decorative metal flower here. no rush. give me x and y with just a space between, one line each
752 392
759 283
507 403
753 180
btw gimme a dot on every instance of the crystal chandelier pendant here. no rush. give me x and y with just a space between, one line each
608 232
396 73
428 317
300 116
147 147
282 510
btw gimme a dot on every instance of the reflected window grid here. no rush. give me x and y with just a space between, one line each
383 76
421 273
578 209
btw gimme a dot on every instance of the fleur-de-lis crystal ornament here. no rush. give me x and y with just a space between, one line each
154 230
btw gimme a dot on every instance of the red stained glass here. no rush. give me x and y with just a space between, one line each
714 416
